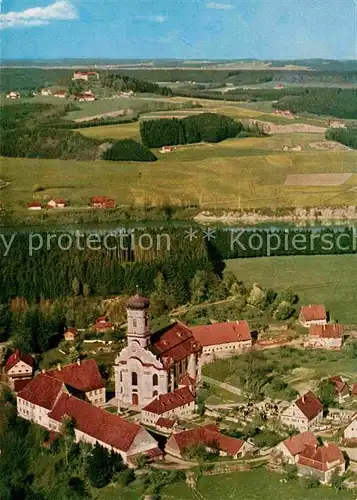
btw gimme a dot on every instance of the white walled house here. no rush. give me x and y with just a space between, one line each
329 336
313 315
19 368
13 95
94 424
304 414
287 450
350 431
321 462
223 339
177 404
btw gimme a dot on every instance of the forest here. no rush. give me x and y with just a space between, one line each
347 136
207 127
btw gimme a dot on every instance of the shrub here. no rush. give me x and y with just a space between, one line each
128 150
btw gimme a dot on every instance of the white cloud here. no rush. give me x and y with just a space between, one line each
219 6
62 10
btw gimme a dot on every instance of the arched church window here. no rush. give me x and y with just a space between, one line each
155 379
134 378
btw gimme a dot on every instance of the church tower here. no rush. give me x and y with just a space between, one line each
138 320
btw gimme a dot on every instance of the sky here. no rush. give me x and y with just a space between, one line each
188 29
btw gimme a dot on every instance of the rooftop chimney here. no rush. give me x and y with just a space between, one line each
59 367
303 399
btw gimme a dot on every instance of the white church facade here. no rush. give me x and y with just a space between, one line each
152 365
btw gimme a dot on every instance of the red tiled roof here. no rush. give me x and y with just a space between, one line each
222 333
170 401
95 422
17 356
71 330
297 443
187 380
313 313
82 377
42 391
165 422
328 331
34 204
354 390
20 383
175 341
321 457
340 385
154 453
103 325
207 435
309 405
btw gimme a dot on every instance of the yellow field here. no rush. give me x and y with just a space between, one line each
249 173
117 132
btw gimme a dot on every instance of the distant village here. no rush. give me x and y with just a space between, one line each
157 378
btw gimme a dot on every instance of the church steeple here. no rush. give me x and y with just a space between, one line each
138 319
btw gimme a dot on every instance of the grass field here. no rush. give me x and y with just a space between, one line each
257 484
213 177
301 369
117 132
327 279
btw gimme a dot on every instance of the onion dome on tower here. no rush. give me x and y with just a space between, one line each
137 301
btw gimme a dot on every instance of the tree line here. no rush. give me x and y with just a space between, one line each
207 127
347 136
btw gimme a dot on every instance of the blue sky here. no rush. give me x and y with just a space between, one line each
190 29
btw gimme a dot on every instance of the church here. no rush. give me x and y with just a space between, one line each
154 364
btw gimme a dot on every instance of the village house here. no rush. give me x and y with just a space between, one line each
350 431
102 202
82 379
321 462
34 205
313 315
85 75
180 403
56 203
46 92
341 387
86 96
336 124
304 414
286 113
127 94
19 368
222 339
71 334
278 86
166 425
166 149
61 94
210 437
13 95
328 336
287 450
103 325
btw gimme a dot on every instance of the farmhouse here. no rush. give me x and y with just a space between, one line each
85 75
342 389
46 92
61 94
13 95
103 325
350 431
34 205
223 339
286 113
313 315
71 334
328 336
304 414
19 369
82 379
287 450
210 437
166 149
179 403
278 86
102 202
85 97
336 124
321 462
57 203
